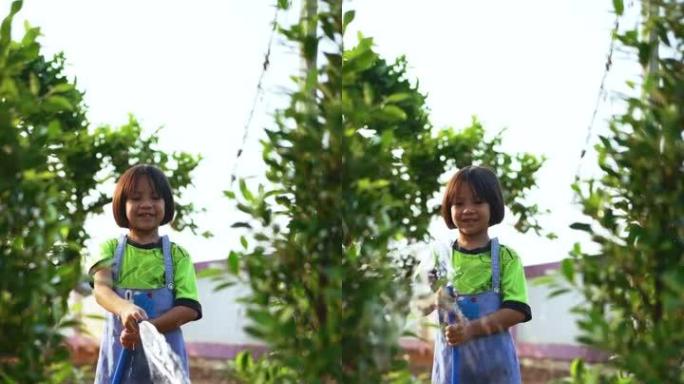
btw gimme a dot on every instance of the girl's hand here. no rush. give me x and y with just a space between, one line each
457 334
129 339
131 315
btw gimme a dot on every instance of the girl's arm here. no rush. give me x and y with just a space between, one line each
129 313
497 321
174 318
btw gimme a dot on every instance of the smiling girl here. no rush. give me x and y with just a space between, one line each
489 280
142 262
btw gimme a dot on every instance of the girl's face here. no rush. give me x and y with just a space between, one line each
144 207
469 212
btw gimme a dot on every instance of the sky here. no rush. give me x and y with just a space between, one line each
533 67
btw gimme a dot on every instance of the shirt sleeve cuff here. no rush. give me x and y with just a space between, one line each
520 307
190 303
100 264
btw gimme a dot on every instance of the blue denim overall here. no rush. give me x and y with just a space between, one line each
110 347
485 360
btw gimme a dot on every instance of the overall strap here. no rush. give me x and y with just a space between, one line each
496 274
118 257
168 262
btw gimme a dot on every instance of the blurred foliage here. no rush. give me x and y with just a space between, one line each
51 165
245 368
581 373
634 286
352 165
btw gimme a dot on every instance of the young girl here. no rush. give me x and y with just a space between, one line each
142 262
488 280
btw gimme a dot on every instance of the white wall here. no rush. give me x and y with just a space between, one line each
552 322
223 317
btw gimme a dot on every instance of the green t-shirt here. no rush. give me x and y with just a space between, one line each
142 267
473 273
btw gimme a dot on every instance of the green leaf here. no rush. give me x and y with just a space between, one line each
234 262
543 280
348 18
619 7
284 4
211 272
243 360
245 191
34 84
30 34
368 184
568 269
224 285
577 368
582 227
244 208
557 292
54 130
59 103
61 88
393 112
397 97
243 241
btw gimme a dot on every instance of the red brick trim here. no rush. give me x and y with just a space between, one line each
222 351
532 271
564 352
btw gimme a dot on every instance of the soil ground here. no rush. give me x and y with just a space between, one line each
207 371
533 371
